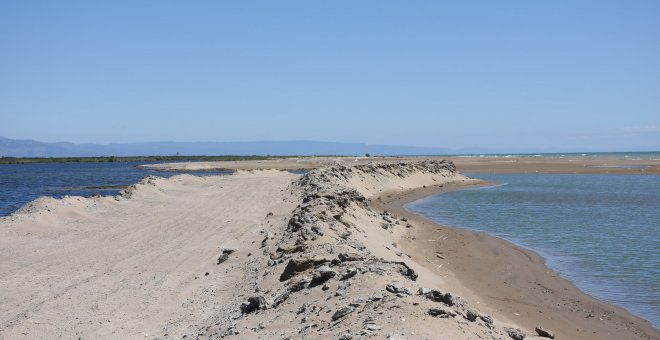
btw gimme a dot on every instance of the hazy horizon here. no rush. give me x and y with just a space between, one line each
31 148
560 76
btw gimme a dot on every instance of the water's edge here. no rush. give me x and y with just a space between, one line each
547 260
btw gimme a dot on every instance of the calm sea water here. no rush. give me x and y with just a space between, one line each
602 232
22 183
643 155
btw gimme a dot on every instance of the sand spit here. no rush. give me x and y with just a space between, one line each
464 164
258 254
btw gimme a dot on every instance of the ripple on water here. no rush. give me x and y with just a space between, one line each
602 232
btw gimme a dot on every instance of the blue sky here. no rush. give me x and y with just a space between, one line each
538 75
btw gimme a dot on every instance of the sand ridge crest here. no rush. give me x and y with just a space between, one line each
335 270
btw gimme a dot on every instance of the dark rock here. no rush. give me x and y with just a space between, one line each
302 308
300 285
280 298
438 312
341 312
348 257
515 333
471 315
350 272
295 249
486 318
296 266
225 255
397 289
407 271
324 274
545 333
252 304
447 298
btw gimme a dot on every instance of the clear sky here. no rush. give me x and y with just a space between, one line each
546 75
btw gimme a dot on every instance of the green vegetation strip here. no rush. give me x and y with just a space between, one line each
18 160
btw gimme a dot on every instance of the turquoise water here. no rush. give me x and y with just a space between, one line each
602 232
637 155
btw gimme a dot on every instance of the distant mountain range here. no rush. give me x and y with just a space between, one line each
31 148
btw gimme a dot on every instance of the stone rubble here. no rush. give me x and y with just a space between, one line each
319 257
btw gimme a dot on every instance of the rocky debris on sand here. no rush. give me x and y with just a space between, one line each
395 288
280 298
373 328
442 313
542 332
375 297
345 336
405 270
515 333
350 257
300 285
349 273
321 244
130 190
437 296
341 312
286 251
471 315
296 266
324 273
252 304
486 318
225 255
423 291
341 289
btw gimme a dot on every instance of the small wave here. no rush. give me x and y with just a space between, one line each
497 185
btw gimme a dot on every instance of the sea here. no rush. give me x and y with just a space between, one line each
22 183
600 231
637 155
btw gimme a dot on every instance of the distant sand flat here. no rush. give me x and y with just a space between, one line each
464 164
270 254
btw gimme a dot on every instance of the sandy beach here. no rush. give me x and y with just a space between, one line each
268 254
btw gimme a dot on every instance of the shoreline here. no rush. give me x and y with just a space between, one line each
508 279
272 223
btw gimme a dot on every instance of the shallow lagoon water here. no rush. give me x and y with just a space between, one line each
602 232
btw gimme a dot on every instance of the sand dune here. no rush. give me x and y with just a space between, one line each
265 254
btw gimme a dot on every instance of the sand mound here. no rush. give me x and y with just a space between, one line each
335 271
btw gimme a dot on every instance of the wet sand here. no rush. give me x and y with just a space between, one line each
509 280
